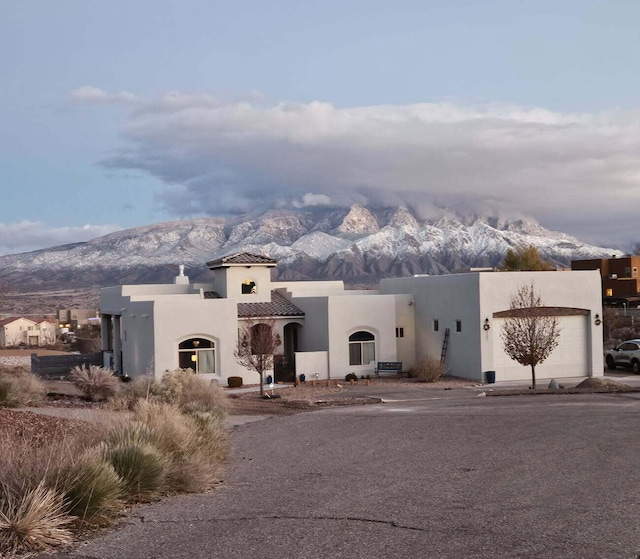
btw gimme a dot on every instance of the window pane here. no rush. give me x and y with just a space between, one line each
184 360
355 357
361 337
368 352
206 361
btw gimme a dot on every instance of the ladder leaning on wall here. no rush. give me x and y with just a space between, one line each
445 343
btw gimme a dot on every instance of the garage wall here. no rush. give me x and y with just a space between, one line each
569 359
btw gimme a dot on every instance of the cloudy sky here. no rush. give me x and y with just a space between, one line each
117 114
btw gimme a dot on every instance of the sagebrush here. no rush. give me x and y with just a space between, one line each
428 369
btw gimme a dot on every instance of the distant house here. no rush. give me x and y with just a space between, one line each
327 331
17 331
620 279
75 319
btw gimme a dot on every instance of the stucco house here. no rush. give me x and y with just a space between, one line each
18 330
327 331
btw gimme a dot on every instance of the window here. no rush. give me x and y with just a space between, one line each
362 348
249 287
458 325
436 325
198 354
609 292
399 332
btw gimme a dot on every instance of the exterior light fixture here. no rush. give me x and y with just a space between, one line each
486 324
196 343
597 320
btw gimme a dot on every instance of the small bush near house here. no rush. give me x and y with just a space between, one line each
234 382
18 387
427 370
96 383
351 376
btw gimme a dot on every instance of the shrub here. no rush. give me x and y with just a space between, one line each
140 464
202 396
91 488
96 383
351 376
18 390
33 520
234 382
427 369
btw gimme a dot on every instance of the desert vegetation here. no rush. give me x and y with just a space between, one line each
168 439
428 369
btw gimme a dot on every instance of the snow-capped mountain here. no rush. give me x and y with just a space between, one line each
357 244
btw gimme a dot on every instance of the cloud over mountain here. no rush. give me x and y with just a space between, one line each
575 172
25 236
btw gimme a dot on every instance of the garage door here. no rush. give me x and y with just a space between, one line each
569 359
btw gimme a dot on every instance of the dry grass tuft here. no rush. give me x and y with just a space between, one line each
33 520
18 388
96 383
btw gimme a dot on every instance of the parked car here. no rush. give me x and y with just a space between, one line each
627 354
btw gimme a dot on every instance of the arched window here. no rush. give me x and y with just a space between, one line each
198 354
362 348
249 287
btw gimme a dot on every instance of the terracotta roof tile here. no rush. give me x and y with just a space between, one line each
241 258
279 306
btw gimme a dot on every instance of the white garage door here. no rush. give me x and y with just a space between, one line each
569 359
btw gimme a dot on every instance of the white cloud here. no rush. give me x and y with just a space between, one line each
93 95
310 199
26 236
574 172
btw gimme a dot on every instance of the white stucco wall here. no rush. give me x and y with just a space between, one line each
470 298
228 283
311 362
350 314
446 299
577 289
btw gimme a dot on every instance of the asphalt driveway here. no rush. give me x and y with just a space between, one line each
516 477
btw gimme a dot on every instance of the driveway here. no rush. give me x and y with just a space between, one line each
518 477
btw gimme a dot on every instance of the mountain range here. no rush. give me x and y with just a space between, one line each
358 245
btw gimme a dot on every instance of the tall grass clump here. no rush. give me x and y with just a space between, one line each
141 465
91 488
96 383
18 387
187 445
32 520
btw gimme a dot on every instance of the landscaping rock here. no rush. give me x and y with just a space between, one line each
597 382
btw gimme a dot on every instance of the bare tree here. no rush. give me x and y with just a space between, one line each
257 342
530 334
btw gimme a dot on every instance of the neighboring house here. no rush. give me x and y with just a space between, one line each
15 331
328 331
74 319
620 280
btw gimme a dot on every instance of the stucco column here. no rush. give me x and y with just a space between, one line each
105 324
117 345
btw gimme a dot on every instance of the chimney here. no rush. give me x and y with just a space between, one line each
181 279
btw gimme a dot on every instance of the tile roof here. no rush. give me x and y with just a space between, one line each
279 306
9 320
241 258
